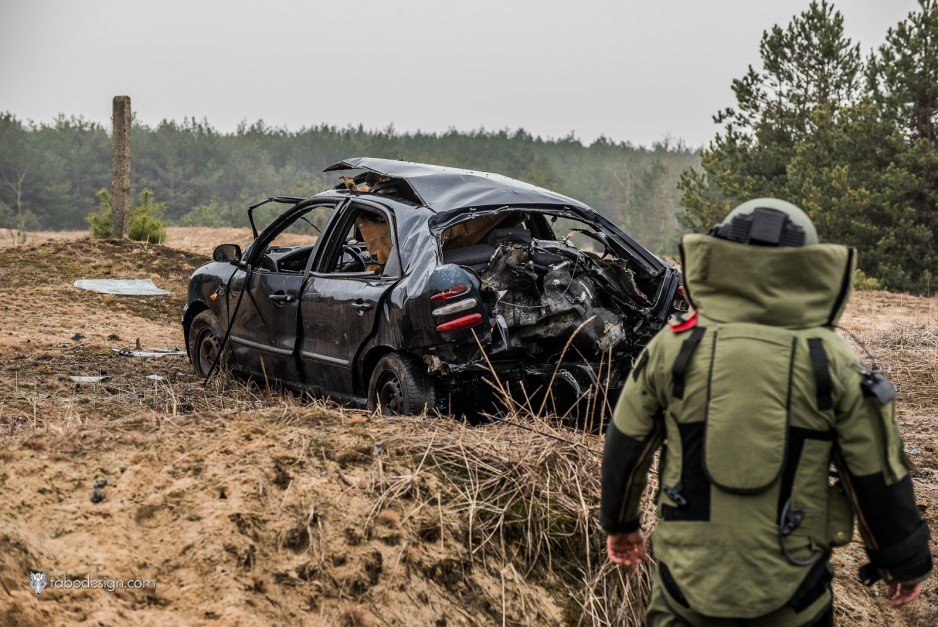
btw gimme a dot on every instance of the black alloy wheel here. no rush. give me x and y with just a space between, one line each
204 343
390 394
399 385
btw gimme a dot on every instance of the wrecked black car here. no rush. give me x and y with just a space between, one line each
408 284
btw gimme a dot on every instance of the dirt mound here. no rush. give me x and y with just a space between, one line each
279 515
249 506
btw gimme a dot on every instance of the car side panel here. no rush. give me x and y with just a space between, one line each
338 315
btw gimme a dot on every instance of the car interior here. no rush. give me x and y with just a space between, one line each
366 247
472 243
290 249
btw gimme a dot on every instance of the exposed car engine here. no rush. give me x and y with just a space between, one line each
546 290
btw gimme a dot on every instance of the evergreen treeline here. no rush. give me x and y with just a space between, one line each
852 140
50 173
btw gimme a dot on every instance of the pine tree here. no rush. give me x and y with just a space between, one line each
858 155
904 76
810 64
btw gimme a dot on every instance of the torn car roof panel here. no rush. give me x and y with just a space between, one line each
443 188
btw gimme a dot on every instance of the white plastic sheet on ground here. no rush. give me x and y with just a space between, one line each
147 355
121 287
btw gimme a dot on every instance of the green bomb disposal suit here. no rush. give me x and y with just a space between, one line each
755 397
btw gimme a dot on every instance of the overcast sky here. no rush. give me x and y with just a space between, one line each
630 70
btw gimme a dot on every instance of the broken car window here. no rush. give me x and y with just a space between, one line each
289 250
366 247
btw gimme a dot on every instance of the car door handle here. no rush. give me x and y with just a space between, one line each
280 297
361 306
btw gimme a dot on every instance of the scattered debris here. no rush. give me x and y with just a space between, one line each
914 452
77 336
97 491
122 287
90 379
155 377
147 355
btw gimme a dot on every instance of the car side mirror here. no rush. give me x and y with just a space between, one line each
227 252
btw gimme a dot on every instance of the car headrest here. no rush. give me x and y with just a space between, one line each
503 236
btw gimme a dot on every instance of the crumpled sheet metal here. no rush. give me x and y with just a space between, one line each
443 188
550 293
121 287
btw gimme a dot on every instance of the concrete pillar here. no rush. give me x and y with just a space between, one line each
120 169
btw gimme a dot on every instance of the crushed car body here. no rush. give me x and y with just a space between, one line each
415 282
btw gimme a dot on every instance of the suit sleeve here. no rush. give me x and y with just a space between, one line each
875 469
632 437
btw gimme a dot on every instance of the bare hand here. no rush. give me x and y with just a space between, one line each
900 594
627 549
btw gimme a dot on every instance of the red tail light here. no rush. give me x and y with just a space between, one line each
460 323
451 292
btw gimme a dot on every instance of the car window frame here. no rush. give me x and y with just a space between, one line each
334 235
285 221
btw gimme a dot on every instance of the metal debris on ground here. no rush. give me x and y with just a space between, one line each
121 287
147 355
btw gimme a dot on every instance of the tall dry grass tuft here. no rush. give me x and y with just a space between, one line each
523 491
514 496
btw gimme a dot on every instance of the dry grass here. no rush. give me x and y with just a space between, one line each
513 496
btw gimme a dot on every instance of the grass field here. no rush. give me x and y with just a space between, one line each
249 506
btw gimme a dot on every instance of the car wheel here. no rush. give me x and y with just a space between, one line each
400 385
204 342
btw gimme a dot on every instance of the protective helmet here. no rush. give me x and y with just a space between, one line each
767 222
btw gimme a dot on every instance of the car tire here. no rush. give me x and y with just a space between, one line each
400 385
204 342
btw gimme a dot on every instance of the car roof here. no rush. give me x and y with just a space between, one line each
443 188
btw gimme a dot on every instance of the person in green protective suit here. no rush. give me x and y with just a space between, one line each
776 437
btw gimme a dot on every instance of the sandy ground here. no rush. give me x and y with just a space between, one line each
248 506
